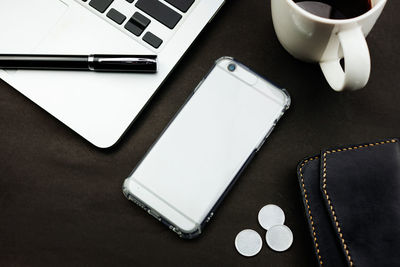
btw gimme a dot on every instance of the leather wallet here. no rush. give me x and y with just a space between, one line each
351 196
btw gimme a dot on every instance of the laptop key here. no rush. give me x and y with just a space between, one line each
182 5
137 24
116 16
152 40
133 28
140 20
100 5
160 12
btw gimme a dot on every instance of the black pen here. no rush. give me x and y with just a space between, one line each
104 63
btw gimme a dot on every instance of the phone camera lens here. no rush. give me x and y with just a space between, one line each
232 67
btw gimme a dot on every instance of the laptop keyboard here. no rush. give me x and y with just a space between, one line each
168 13
160 12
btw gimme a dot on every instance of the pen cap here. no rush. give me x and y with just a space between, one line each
124 63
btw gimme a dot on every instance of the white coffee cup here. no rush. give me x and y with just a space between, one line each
312 38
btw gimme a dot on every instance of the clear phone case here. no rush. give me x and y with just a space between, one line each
187 172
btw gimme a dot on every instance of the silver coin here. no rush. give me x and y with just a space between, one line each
248 242
279 238
271 215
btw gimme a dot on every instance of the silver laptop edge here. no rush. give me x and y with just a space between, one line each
98 106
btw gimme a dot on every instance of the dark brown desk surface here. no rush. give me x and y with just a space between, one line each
60 197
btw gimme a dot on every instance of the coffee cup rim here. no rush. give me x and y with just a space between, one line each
335 21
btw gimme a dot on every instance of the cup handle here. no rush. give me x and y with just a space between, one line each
357 62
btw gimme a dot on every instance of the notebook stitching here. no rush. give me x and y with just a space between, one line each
325 189
309 209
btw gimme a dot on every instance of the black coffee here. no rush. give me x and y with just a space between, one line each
336 9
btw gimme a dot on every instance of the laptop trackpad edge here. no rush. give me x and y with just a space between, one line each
23 24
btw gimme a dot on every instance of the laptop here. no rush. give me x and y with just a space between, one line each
98 106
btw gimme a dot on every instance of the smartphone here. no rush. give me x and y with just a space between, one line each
185 175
